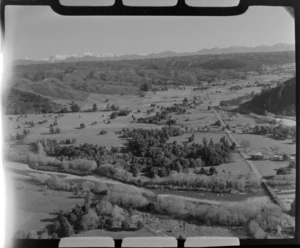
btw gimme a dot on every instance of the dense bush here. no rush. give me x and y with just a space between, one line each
154 153
122 112
82 165
163 117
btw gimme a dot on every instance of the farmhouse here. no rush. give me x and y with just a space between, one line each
277 158
257 156
238 131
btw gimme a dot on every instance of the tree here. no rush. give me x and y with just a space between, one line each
202 171
283 171
145 87
82 125
51 129
245 144
95 108
233 146
125 225
185 101
293 208
108 223
32 235
182 236
74 107
54 236
66 230
55 228
191 138
40 148
90 220
139 225
212 170
57 130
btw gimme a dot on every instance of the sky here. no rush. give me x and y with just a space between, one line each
38 32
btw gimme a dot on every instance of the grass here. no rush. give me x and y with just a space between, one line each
267 145
31 208
115 235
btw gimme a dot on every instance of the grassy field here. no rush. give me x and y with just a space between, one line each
30 207
264 144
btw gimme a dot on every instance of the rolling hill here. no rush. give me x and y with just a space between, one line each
75 81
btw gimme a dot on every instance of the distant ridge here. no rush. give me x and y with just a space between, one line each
112 57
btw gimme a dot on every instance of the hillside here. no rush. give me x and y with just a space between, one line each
20 102
280 100
76 80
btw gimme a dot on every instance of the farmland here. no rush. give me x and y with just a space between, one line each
168 162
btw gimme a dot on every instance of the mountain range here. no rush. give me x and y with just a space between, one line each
112 57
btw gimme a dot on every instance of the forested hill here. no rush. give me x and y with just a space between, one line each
76 80
280 100
20 102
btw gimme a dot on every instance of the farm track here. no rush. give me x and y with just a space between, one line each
238 148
